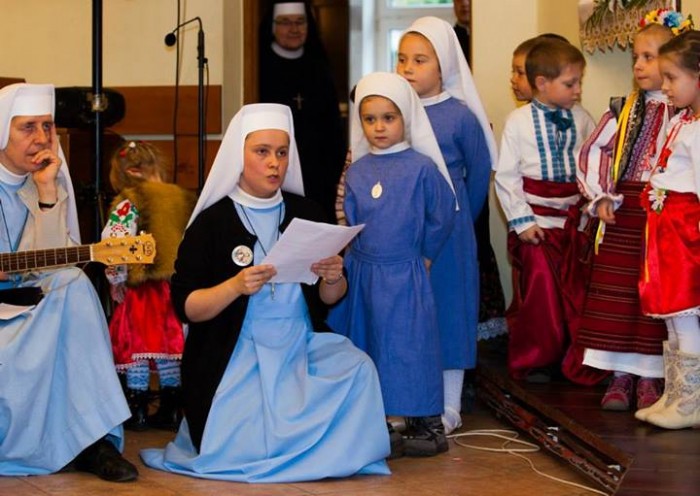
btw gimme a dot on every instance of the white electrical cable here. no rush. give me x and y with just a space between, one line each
512 437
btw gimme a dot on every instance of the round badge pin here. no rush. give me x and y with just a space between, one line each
242 255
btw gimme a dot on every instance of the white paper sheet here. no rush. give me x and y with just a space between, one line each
303 243
9 312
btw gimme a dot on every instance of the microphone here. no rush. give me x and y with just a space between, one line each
171 38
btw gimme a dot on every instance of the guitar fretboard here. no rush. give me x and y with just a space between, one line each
37 259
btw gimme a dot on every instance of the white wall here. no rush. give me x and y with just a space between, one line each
53 39
498 27
52 42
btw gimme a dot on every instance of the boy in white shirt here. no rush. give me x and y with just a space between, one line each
536 185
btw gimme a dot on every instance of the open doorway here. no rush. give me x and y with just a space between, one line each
333 19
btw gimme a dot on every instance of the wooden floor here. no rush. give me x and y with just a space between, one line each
608 451
460 471
624 456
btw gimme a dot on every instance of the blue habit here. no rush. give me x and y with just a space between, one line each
59 392
293 405
389 310
455 272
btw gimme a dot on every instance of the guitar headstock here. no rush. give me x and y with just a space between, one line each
139 249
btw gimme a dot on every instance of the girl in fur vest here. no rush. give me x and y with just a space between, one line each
144 326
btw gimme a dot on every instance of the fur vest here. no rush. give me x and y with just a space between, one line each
164 209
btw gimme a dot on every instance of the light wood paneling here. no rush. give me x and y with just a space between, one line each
149 110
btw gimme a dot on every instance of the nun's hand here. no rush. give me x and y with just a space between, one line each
333 285
329 269
250 280
46 160
47 163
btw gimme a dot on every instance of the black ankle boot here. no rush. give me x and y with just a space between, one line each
169 412
138 404
105 461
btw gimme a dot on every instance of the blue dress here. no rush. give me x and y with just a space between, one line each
58 389
455 272
293 405
389 310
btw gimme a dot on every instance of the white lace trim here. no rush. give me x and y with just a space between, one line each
492 328
683 313
137 357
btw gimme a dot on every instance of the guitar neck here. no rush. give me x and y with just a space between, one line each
42 259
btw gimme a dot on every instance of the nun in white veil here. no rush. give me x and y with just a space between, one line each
266 398
59 393
469 148
400 189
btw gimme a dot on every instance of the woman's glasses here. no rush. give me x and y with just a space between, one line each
288 23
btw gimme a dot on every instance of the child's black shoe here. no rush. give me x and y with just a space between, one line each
396 440
424 436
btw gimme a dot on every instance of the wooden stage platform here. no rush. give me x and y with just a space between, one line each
621 455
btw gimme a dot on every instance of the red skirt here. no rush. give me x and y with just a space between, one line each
549 286
145 326
612 317
670 280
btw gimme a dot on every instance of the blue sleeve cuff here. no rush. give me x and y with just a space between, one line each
528 219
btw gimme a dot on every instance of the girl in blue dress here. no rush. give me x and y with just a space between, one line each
399 188
266 398
431 59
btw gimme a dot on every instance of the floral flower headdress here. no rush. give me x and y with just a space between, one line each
669 18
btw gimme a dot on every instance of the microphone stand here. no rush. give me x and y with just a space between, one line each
170 40
201 61
98 104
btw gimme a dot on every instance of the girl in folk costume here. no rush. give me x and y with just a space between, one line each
616 163
267 399
669 283
431 59
405 200
144 326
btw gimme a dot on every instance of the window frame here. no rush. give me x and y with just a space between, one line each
390 19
